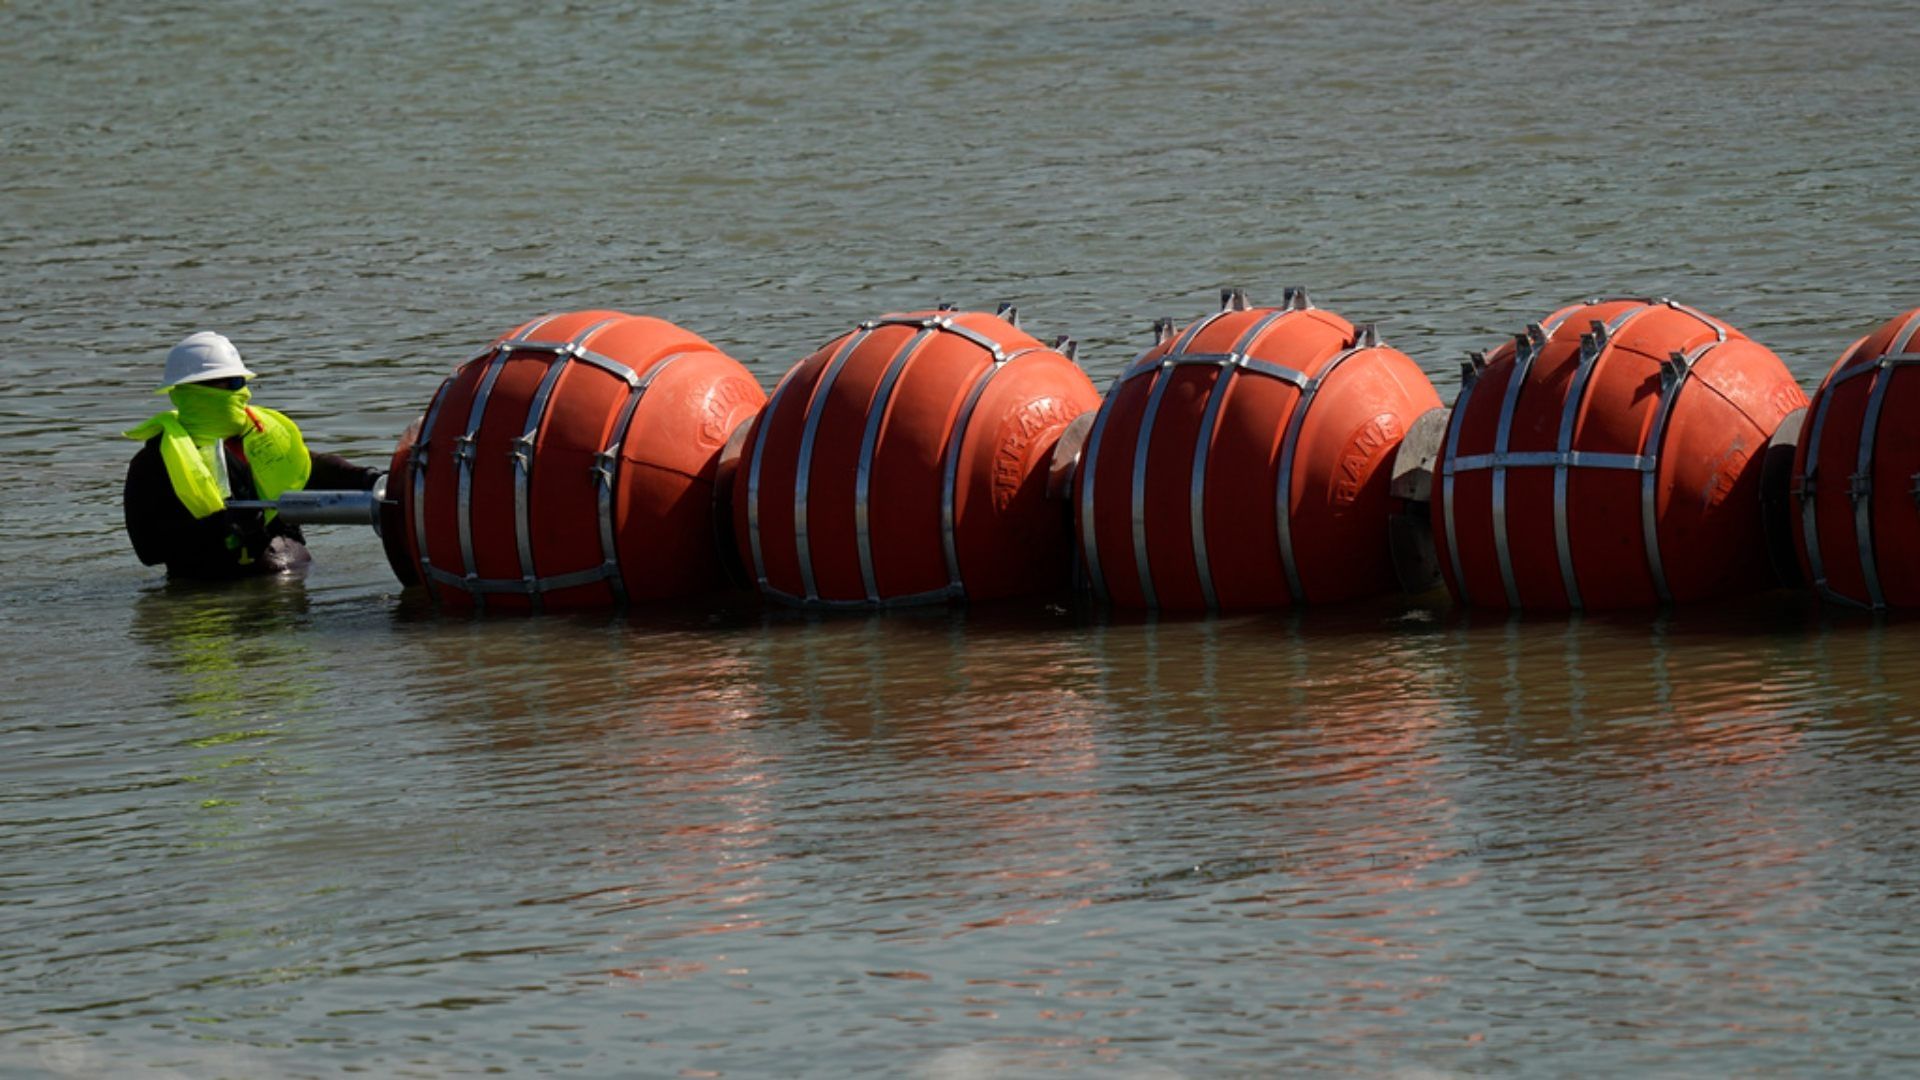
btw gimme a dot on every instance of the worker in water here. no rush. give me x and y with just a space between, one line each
213 446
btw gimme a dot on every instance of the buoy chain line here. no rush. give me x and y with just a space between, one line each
927 326
1236 359
1860 482
1528 346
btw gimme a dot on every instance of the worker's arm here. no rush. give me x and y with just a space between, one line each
331 472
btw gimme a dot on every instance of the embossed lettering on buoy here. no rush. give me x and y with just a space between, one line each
1366 449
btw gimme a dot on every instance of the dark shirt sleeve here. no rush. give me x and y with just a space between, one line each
331 472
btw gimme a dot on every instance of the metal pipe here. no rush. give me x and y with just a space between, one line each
319 507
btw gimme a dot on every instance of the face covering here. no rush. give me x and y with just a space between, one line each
208 413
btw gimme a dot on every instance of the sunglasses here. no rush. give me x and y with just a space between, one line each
231 382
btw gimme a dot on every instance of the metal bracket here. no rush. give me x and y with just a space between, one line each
1234 300
522 452
1294 298
1593 343
1671 369
1162 330
603 465
1067 347
463 448
1860 486
943 305
1591 346
1536 338
1471 367
1008 311
1366 335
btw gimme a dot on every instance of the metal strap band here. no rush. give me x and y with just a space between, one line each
522 337
1283 486
1454 423
1549 459
523 451
417 465
1523 357
1591 351
1719 328
950 475
869 440
1806 483
526 344
1497 460
1142 564
528 586
418 460
1862 485
1862 490
1234 359
1174 359
1089 462
1276 371
1203 446
608 364
942 323
1525 351
1890 360
1902 342
753 476
950 479
463 453
822 390
1197 490
1649 479
606 472
1193 331
816 603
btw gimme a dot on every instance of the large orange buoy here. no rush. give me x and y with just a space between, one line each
571 465
906 462
1242 462
1608 457
1856 477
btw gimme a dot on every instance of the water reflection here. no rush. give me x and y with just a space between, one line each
971 751
226 646
234 676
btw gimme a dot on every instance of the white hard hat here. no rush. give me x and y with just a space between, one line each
202 356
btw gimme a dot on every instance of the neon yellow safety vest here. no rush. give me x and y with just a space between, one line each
275 452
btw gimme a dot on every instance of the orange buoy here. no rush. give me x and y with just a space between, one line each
906 462
1856 478
391 522
570 465
1243 462
1609 457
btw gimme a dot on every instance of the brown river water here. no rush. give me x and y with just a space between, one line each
311 827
